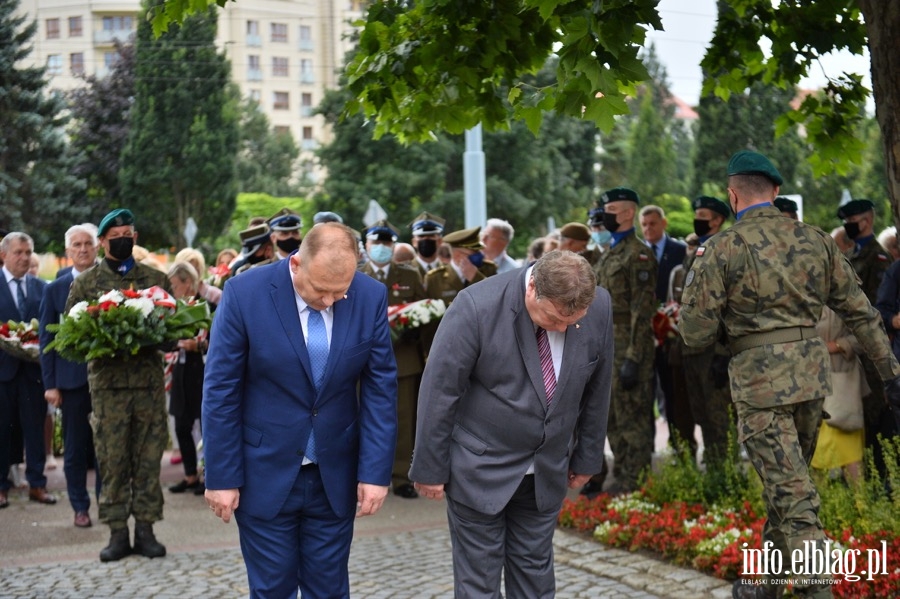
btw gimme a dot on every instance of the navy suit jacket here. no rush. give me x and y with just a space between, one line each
260 403
672 256
34 291
58 373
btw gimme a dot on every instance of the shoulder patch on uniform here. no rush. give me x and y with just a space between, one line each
701 250
643 276
690 278
643 257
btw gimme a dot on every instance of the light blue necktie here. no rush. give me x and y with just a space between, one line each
317 348
20 298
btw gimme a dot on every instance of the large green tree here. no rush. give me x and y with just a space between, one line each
38 195
179 161
100 125
266 158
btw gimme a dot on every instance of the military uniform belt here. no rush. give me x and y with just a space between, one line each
771 337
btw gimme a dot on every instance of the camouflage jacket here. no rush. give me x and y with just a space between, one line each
767 273
628 271
143 371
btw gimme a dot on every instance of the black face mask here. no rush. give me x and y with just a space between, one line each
852 230
610 221
427 248
288 245
701 227
120 248
255 259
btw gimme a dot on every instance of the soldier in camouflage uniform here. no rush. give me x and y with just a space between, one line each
628 271
404 285
870 260
129 402
706 368
765 281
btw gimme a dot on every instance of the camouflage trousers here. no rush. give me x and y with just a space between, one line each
630 428
780 441
130 435
709 404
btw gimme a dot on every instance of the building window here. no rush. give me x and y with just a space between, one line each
118 24
279 32
75 27
306 42
254 72
54 64
279 66
306 71
308 142
76 63
253 37
52 29
306 104
280 101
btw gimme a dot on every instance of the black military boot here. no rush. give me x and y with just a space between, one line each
145 542
118 547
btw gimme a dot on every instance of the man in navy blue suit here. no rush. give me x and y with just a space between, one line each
299 413
21 391
65 382
669 254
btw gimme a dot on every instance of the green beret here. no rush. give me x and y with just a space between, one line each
619 194
119 217
854 207
786 205
465 238
714 204
746 162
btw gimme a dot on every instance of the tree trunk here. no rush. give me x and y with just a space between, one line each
882 24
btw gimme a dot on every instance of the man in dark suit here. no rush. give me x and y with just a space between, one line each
669 254
404 285
299 413
21 391
65 382
511 414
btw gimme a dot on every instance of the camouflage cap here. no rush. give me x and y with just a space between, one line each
619 194
120 217
285 220
253 238
576 231
747 162
854 207
382 231
785 204
427 224
711 203
469 239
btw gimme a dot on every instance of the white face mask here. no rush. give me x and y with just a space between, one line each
380 254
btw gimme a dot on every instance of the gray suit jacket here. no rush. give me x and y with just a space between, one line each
483 417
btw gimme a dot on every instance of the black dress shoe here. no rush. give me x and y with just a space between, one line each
406 491
200 489
184 486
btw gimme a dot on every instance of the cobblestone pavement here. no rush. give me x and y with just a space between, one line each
401 552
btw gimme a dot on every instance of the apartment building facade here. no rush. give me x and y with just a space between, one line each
284 54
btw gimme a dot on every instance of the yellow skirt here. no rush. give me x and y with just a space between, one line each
837 448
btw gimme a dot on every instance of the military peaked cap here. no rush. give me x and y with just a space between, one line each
427 224
382 231
465 238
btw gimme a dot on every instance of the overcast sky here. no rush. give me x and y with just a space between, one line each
689 26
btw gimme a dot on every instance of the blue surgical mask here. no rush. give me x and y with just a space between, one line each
380 254
601 238
477 259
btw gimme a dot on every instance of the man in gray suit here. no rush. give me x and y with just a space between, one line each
512 411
